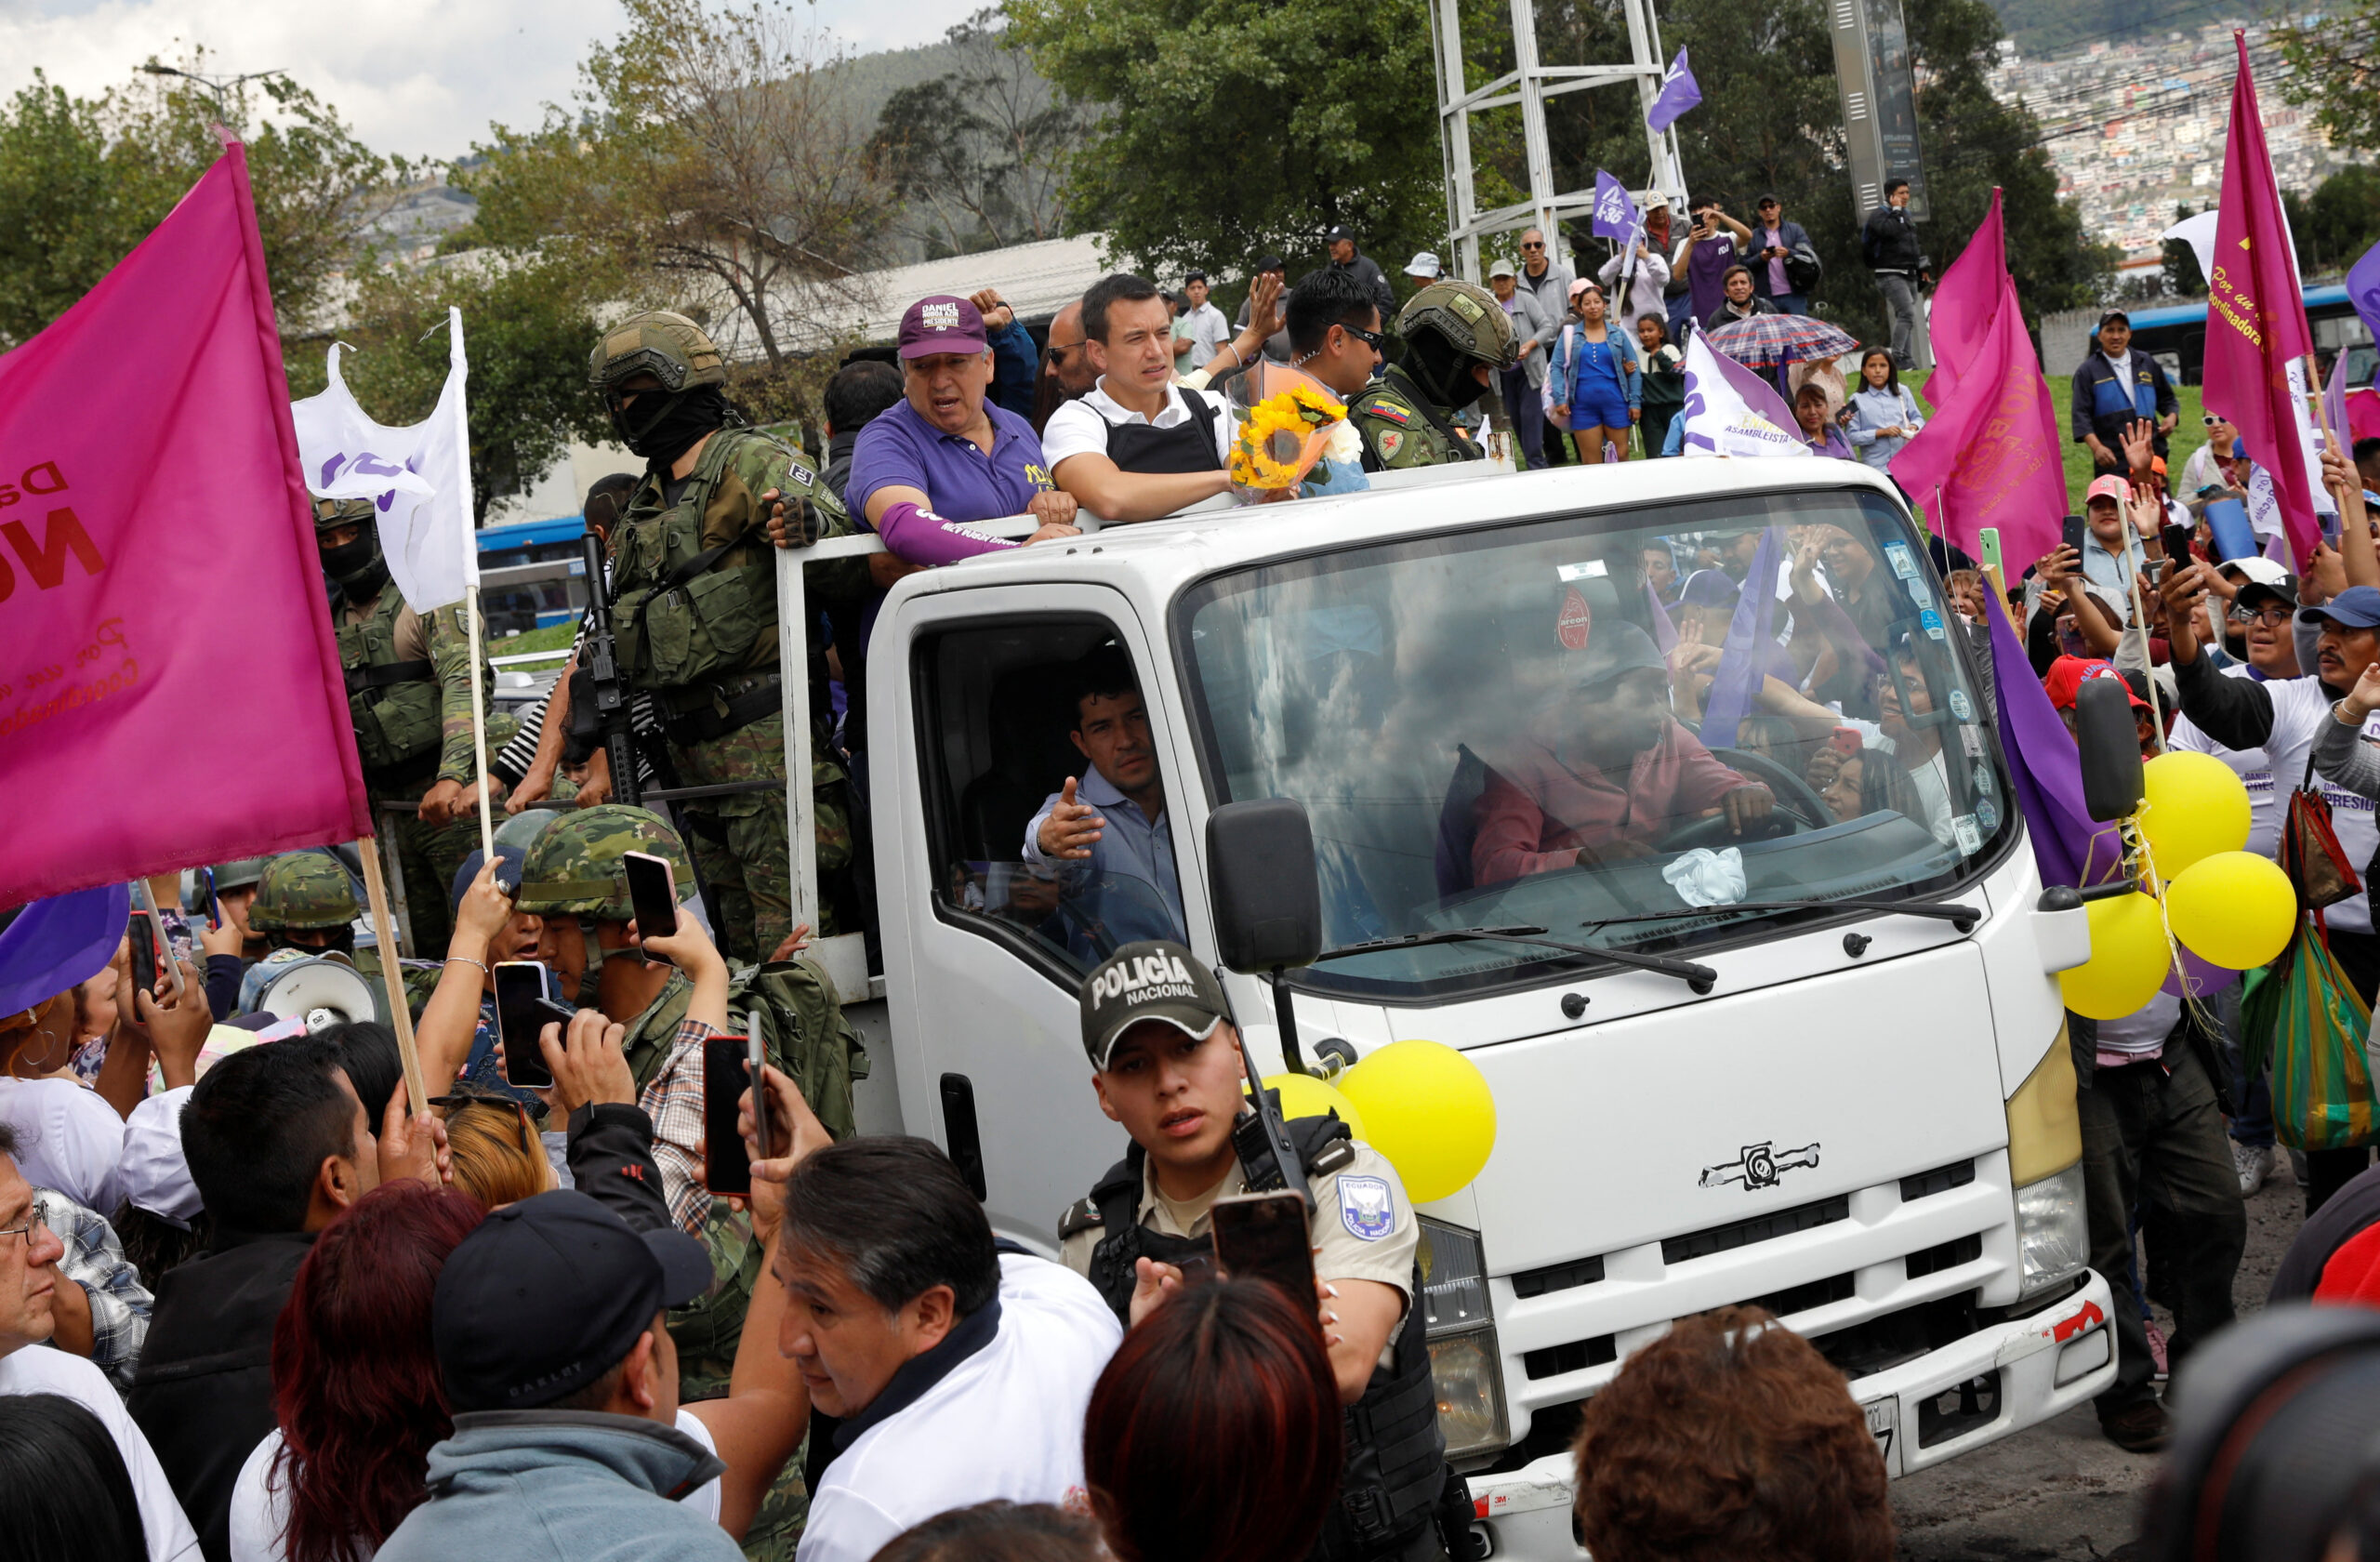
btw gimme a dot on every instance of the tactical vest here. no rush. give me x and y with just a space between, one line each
394 704
1452 446
682 616
1396 1467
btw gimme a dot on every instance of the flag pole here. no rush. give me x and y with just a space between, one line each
471 590
400 1017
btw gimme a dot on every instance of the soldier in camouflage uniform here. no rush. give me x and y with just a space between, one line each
1456 336
574 878
305 906
409 693
693 602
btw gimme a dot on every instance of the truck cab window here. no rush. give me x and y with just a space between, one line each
1048 823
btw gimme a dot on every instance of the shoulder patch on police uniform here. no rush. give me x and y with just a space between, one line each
1080 1216
1366 1206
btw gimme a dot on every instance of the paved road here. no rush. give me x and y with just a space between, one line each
2061 1490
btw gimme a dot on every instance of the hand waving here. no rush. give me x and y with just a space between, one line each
1072 827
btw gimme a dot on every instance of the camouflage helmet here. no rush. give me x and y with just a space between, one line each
1467 316
303 890
342 513
524 827
669 347
574 866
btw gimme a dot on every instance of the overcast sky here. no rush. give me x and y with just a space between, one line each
420 77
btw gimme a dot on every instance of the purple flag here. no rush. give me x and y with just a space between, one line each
1616 213
1678 94
1750 634
2334 406
2069 846
2364 288
58 942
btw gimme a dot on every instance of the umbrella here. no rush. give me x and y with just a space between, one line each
1762 340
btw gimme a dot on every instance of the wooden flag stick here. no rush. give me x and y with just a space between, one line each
416 1089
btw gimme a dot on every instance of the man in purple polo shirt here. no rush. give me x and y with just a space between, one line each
946 454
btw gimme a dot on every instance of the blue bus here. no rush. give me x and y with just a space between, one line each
2177 333
532 574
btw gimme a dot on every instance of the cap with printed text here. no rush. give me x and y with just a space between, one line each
1155 979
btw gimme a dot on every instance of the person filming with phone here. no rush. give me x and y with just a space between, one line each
1168 1065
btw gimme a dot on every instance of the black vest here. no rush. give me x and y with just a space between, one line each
1188 446
1396 1468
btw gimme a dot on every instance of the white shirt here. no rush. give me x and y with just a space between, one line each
67 1139
1006 1421
2254 766
1081 426
2299 707
41 1369
260 1503
1206 330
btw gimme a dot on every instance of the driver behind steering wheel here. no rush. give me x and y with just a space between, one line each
1606 773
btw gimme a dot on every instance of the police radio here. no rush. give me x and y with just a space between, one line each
1261 1141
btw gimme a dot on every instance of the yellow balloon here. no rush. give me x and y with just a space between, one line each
1428 1110
2129 959
1302 1096
2194 806
2234 909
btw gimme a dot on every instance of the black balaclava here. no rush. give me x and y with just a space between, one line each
342 941
358 566
669 429
1441 370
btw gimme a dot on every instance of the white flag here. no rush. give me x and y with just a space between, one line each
419 477
1731 411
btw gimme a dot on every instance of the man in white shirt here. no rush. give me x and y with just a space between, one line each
1138 446
956 1375
1201 331
29 1283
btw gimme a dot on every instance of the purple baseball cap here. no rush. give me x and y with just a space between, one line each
940 323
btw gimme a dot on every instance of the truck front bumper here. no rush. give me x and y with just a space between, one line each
2015 1374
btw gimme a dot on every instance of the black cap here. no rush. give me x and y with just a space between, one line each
1338 230
2115 314
1766 199
1273 263
1155 979
2284 594
549 1294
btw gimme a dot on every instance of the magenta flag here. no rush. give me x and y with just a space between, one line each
2255 315
1990 456
171 694
1964 303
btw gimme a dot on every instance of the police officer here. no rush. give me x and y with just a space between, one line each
1456 337
409 695
1166 1063
693 602
305 906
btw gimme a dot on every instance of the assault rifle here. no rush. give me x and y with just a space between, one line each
599 694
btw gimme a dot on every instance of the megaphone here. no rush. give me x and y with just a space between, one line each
322 992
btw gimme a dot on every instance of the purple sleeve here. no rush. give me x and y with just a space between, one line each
920 537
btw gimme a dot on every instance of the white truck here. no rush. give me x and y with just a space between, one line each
1842 1092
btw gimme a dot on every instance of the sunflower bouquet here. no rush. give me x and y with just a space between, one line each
1290 423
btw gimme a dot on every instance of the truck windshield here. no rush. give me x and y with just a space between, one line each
1611 726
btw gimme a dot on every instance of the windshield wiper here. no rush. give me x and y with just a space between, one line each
1698 977
1962 918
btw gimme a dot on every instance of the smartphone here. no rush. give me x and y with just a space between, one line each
1264 1235
525 1004
1846 741
142 933
652 896
1987 539
754 1057
2177 544
214 902
727 1167
159 954
2073 530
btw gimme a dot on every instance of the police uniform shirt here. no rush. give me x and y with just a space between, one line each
1362 1222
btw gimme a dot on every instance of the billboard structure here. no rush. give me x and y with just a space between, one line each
1871 67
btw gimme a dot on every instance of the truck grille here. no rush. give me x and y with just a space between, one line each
1759 1228
1558 1276
1942 1179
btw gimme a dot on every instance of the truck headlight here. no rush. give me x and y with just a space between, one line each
2053 1238
1464 1362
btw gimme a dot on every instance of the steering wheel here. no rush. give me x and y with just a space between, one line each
1796 799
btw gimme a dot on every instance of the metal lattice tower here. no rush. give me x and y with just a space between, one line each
1529 84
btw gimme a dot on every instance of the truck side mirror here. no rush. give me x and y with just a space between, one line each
2111 747
1268 905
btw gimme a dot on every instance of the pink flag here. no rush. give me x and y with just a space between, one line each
1990 456
1964 303
2255 315
171 694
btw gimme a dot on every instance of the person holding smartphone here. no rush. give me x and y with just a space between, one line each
1166 1064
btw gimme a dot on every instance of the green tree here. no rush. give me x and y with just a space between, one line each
1237 127
83 179
2338 221
527 325
2334 55
710 165
2178 275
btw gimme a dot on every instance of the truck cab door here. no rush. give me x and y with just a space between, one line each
974 703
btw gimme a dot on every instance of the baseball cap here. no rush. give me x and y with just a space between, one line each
1501 268
2283 590
1581 285
2108 487
2263 571
1423 264
2358 607
507 873
1338 230
941 322
153 1170
1709 588
1767 198
1154 979
2115 314
549 1294
2068 674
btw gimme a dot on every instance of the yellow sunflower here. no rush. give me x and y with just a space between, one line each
1271 444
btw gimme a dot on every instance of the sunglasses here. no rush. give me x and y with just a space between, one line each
527 1115
1377 341
1525 245
1056 352
2210 420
